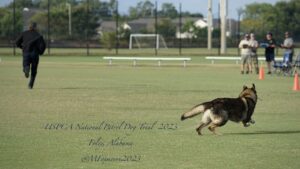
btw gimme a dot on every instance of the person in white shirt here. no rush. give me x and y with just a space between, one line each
288 45
253 44
245 54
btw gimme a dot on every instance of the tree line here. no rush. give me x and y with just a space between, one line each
87 16
261 18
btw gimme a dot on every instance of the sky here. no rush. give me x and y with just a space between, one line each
194 6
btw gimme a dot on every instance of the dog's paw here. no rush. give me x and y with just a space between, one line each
246 124
199 132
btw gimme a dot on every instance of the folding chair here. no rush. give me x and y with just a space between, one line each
296 64
285 66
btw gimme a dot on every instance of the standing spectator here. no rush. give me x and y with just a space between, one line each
253 44
270 50
288 45
32 45
245 54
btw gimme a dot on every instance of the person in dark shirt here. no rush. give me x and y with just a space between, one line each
270 50
32 45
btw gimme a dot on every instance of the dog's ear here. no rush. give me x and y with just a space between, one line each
245 87
253 86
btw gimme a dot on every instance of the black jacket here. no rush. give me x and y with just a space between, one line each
30 41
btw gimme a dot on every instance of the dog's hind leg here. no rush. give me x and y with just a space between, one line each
204 122
202 125
213 127
219 119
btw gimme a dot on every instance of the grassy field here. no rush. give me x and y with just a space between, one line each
84 114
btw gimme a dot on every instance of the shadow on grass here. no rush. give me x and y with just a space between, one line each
69 88
77 88
266 132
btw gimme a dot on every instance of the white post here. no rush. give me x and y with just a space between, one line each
157 41
130 42
209 24
223 13
70 18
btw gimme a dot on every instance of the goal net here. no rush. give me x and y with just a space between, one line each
147 41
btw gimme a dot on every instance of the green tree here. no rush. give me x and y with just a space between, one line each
188 27
262 17
59 22
133 13
108 40
188 14
79 17
6 22
166 28
288 17
168 10
259 18
43 4
142 9
21 4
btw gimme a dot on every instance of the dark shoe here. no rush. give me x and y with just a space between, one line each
30 85
242 72
247 72
26 72
31 82
269 73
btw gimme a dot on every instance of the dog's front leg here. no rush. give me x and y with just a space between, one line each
252 121
246 124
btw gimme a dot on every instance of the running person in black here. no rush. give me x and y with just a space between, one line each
32 45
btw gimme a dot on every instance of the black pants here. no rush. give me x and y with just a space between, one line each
30 63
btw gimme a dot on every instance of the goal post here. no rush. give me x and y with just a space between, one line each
157 39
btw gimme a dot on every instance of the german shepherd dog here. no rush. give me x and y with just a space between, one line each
217 112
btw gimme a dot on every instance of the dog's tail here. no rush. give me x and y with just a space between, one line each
194 111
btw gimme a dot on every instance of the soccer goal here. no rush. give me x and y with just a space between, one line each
147 41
